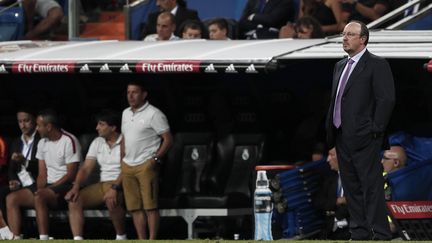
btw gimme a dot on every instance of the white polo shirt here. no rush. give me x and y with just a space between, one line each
141 132
107 157
57 154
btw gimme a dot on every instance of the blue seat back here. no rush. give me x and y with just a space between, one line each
418 149
138 16
412 183
12 24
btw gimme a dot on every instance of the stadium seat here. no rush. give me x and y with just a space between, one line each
412 183
230 181
12 24
300 219
182 171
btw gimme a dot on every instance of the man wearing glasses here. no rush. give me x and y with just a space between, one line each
363 97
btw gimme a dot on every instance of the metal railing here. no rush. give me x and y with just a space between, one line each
412 18
393 14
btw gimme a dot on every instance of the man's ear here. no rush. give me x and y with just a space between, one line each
396 163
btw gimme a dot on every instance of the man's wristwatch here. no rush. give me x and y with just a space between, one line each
116 187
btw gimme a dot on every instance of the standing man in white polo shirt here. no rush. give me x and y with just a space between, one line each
146 139
105 151
59 154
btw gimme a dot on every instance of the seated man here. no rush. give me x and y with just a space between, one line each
105 151
177 8
50 11
192 30
218 29
23 169
165 28
393 159
262 19
59 154
331 200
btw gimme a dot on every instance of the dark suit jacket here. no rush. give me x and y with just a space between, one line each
275 14
182 15
14 166
367 101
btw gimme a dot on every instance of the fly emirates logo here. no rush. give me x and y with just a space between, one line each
407 209
168 67
43 68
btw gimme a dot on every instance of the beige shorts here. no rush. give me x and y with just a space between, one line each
140 186
93 195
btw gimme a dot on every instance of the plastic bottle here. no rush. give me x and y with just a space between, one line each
263 207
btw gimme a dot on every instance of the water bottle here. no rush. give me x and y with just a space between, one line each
263 207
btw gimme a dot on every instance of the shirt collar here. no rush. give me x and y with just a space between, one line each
31 138
172 37
174 10
117 142
357 57
146 104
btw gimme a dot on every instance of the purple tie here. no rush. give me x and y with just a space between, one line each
337 111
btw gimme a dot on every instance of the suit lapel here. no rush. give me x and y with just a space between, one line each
338 76
357 70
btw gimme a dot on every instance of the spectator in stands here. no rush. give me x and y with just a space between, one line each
23 169
177 8
218 29
305 28
50 12
192 30
146 139
366 10
328 13
59 154
165 28
331 200
262 19
105 151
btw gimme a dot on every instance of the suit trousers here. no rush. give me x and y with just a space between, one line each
362 179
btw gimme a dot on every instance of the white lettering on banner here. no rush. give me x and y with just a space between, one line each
42 68
405 209
164 68
168 67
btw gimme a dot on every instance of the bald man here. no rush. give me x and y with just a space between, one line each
165 28
394 159
177 8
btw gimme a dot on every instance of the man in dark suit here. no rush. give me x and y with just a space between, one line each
177 8
363 97
265 18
